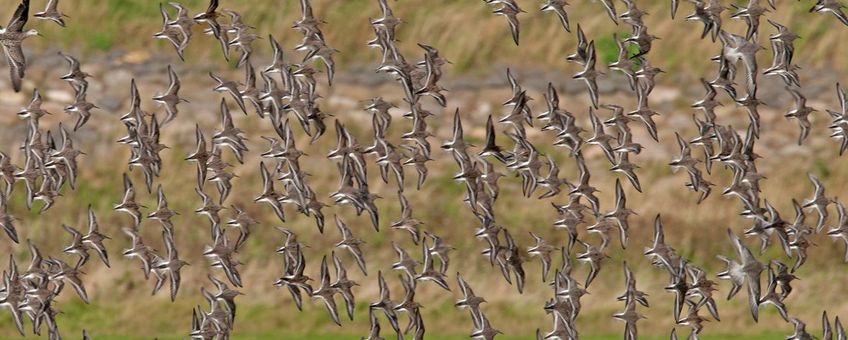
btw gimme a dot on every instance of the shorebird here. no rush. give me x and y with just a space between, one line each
457 143
82 107
409 305
351 243
128 204
94 238
75 76
11 37
52 13
209 208
581 54
405 262
440 249
163 214
624 64
182 22
230 136
294 280
210 16
831 6
172 34
325 292
558 7
171 264
385 303
484 329
374 331
170 98
583 188
629 316
589 75
543 250
231 87
600 137
387 21
469 300
801 112
594 257
429 273
77 247
840 229
510 10
343 285
7 172
33 110
748 271
751 14
407 222
7 221
61 272
138 249
819 202
225 295
241 221
269 195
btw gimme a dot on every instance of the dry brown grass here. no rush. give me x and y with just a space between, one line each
465 31
696 231
478 44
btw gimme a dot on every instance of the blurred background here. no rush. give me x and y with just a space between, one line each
113 41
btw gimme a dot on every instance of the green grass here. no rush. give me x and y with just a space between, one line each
318 336
129 25
267 313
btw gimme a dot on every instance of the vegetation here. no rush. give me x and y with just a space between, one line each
464 31
475 41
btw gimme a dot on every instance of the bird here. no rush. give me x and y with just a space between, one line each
428 272
138 249
385 303
351 243
77 247
94 238
819 202
594 257
543 250
325 292
831 6
230 87
7 221
801 113
469 300
589 75
210 16
629 316
343 285
484 330
558 7
510 10
269 196
128 205
11 37
170 99
407 222
748 271
82 107
171 264
52 13
171 33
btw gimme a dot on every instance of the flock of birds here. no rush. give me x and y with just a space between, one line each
290 97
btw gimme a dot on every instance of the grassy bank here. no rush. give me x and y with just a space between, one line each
465 31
